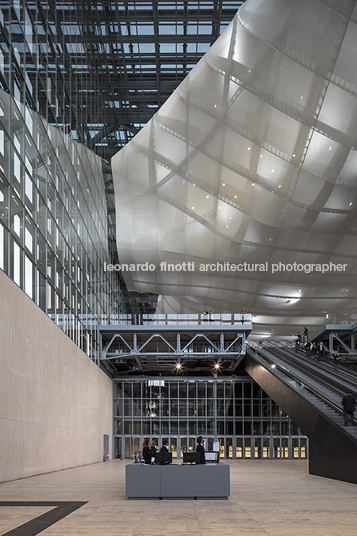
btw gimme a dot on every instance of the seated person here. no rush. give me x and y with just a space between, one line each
201 449
148 452
164 448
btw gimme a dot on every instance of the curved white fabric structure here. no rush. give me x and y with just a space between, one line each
253 159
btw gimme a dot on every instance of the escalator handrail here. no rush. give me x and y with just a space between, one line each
288 373
346 379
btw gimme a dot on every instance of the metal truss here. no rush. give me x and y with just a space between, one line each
349 348
172 349
341 337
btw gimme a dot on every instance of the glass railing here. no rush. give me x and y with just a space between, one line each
183 319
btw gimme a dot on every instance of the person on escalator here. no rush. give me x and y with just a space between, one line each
305 334
313 350
336 358
321 350
298 342
307 347
348 403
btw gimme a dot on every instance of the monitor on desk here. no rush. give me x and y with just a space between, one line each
191 457
212 456
163 457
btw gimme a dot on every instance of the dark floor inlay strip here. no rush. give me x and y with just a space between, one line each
60 510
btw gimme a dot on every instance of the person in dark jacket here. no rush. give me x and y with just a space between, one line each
305 334
298 342
321 350
200 448
164 448
336 358
148 452
348 403
307 347
165 443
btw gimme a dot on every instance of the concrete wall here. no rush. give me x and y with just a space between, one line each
55 403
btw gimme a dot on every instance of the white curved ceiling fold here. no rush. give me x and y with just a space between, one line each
252 159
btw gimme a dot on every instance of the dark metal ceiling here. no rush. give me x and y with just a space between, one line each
123 59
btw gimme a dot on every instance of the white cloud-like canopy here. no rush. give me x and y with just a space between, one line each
252 159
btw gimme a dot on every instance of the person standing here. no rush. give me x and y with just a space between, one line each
242 313
348 403
313 350
298 342
305 334
336 358
165 444
321 350
201 449
164 448
211 317
307 347
205 315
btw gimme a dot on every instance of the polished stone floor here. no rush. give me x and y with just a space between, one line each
268 498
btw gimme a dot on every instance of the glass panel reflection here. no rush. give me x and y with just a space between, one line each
234 433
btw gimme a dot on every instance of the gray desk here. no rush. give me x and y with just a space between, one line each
175 481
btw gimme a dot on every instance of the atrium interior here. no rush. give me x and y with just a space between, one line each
178 201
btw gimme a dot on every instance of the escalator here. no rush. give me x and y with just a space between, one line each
310 392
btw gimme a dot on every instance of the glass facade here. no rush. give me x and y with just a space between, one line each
235 412
49 62
53 208
53 227
101 69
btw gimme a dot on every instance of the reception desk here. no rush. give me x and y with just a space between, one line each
176 481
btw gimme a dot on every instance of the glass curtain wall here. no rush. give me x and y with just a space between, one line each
236 413
53 212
